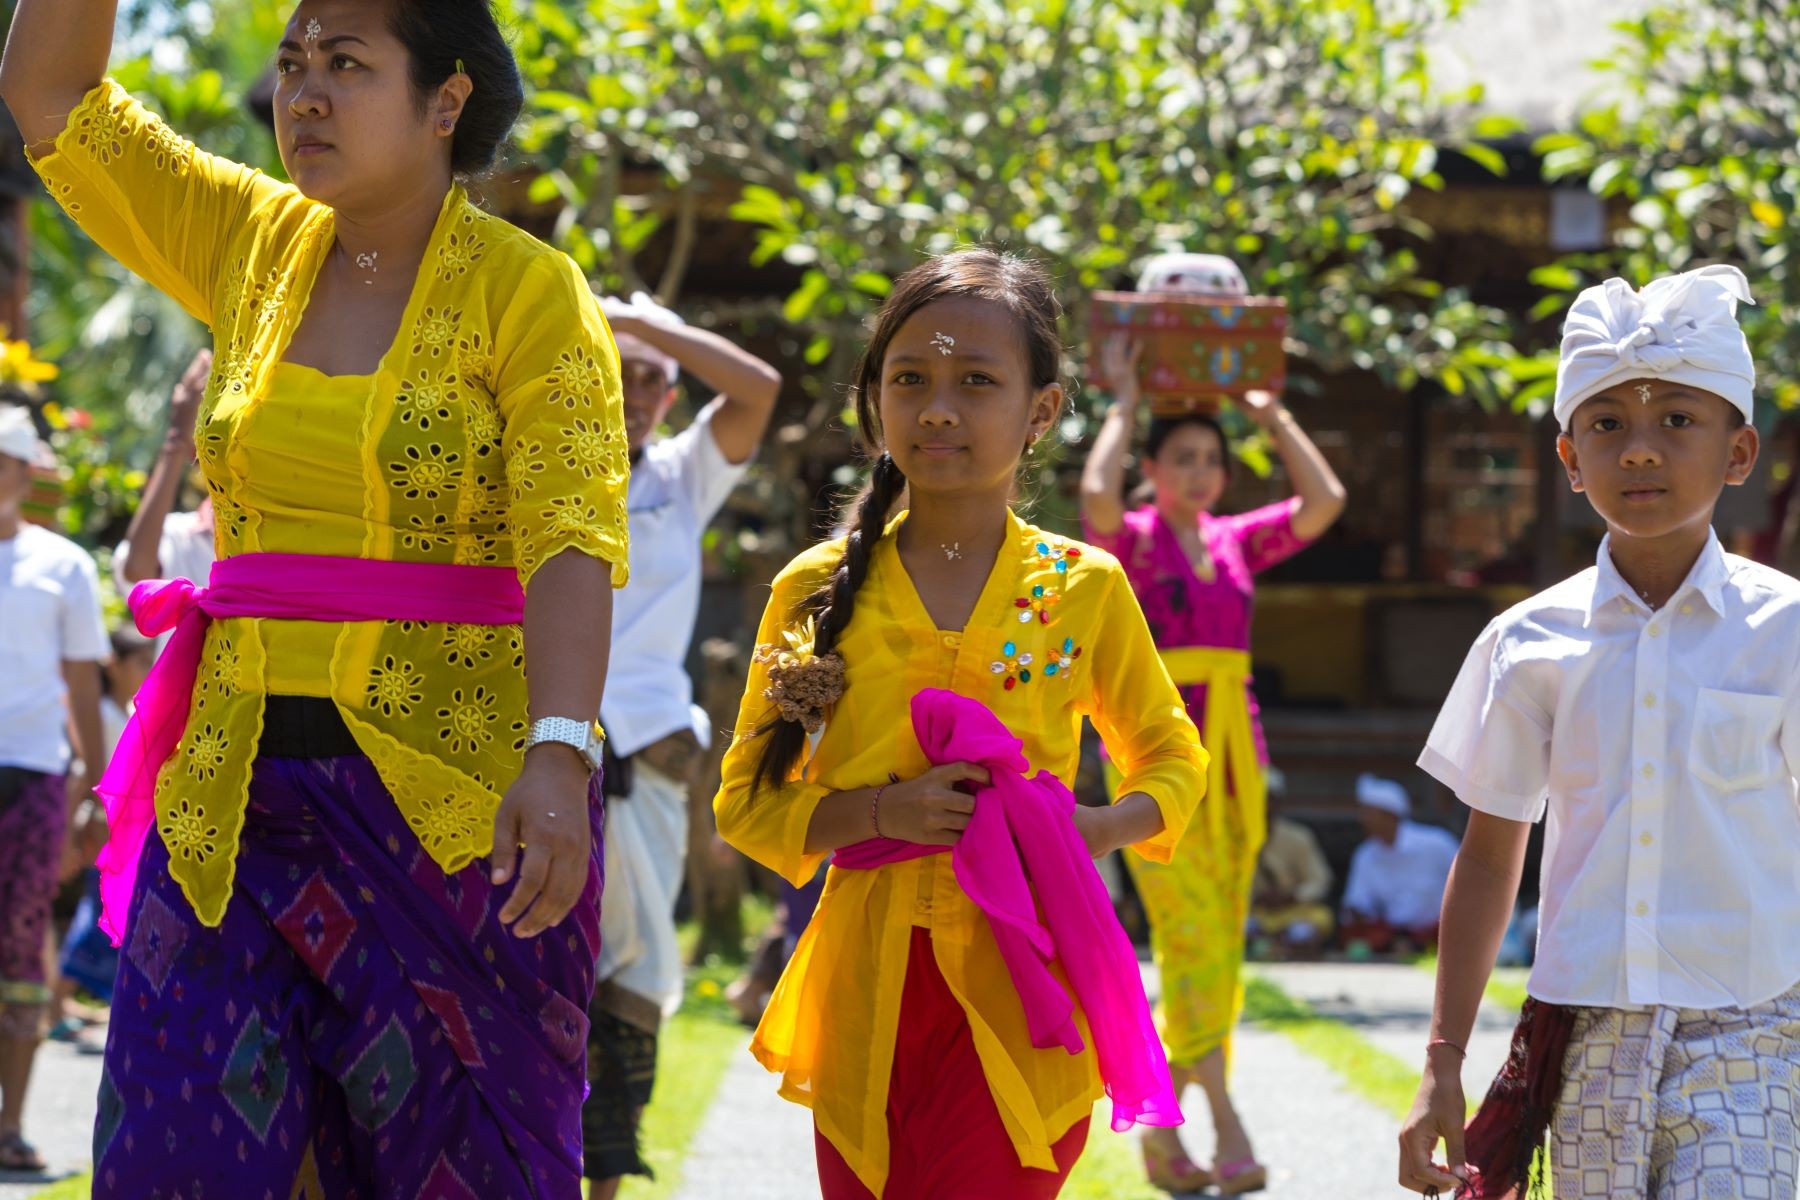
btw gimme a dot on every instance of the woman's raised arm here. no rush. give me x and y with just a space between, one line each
55 54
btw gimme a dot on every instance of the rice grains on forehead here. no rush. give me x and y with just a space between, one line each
1018 284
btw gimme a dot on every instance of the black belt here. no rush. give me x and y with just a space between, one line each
304 727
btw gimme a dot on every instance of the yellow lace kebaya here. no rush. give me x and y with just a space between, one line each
491 433
829 1030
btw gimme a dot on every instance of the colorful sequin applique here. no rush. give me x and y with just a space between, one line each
1063 660
1036 606
1057 557
1014 665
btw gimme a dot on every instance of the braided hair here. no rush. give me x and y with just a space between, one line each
1028 294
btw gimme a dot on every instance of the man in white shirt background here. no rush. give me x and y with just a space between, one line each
1397 876
52 642
655 733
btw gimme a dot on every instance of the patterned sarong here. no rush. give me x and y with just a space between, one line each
359 1026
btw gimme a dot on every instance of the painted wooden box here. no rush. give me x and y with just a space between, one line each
1198 350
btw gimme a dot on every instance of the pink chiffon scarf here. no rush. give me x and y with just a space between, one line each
301 587
1025 865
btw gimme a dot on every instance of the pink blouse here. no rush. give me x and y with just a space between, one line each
1186 610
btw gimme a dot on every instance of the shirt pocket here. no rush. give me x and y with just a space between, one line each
1733 744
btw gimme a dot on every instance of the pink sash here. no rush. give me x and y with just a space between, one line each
1022 835
300 587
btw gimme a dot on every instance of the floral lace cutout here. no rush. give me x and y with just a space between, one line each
187 833
492 436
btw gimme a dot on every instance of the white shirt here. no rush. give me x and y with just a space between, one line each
1664 747
677 486
185 551
1402 884
49 614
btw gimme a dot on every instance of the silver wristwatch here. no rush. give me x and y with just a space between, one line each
584 736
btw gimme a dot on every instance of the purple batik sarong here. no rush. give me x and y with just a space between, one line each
359 1027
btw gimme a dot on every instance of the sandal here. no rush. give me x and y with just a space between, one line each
67 1030
1242 1175
1178 1174
17 1154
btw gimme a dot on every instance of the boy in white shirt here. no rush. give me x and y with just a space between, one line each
1651 707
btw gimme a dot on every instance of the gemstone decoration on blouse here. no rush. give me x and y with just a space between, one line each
1057 557
1014 665
1037 605
1063 659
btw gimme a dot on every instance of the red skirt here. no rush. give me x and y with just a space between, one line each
945 1137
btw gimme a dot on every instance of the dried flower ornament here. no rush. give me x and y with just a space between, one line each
802 684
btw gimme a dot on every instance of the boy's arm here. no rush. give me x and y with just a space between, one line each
1478 903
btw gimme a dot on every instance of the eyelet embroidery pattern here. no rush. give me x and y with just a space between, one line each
450 477
1062 660
188 833
1014 664
1037 605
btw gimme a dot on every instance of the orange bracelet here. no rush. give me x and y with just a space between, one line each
1436 1042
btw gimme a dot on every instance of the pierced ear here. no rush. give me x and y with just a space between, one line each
453 96
1047 405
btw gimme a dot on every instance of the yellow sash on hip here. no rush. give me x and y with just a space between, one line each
1228 735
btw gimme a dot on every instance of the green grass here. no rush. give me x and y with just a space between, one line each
68 1189
697 1045
1371 1073
1505 987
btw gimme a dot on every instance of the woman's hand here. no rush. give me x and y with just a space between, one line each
1437 1113
1264 408
1119 356
931 810
542 827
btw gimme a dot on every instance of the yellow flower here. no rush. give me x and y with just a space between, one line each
18 366
800 644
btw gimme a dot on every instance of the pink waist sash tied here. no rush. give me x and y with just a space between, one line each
297 587
1025 866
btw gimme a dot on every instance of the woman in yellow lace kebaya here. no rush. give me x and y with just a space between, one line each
897 1021
415 451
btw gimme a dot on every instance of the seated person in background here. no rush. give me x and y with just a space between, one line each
1288 913
1397 876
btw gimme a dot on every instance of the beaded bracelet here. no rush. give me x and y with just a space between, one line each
875 807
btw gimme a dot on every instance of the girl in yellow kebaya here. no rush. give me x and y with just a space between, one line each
898 1021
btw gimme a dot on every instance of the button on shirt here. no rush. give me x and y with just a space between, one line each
1663 745
677 486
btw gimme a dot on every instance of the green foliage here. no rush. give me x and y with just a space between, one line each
1697 143
119 343
1089 134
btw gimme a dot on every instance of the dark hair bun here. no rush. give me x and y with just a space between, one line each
437 35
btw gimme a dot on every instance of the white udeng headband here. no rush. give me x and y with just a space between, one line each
1680 328
18 439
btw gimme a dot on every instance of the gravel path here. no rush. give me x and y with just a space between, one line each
59 1117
